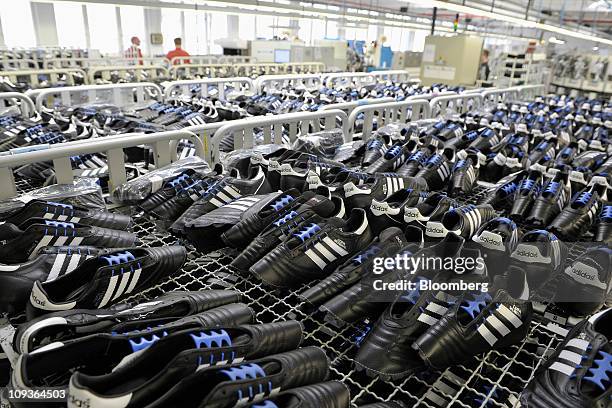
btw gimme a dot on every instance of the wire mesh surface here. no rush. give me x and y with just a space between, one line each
493 380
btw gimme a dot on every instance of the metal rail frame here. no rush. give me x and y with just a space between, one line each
458 103
92 93
183 88
388 113
348 107
53 75
304 67
278 82
21 100
272 127
344 78
395 75
154 71
112 146
86 63
490 98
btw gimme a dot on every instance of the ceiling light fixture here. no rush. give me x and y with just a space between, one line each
501 17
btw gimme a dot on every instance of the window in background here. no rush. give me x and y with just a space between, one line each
372 33
133 24
171 27
350 33
318 29
17 24
264 27
419 41
70 25
305 31
195 33
102 20
361 34
331 30
218 30
246 26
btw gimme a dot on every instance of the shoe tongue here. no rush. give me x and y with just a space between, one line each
393 234
320 205
490 240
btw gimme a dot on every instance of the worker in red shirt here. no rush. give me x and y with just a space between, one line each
134 52
178 52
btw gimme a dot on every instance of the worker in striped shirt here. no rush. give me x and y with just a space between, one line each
133 51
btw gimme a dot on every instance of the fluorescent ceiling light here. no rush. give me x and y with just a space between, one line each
501 17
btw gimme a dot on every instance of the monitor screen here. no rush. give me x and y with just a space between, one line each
281 56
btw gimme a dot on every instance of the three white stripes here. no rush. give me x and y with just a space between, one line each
499 326
126 285
325 252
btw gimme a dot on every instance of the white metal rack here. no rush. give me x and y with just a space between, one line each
267 83
22 101
34 77
122 95
132 72
183 88
389 112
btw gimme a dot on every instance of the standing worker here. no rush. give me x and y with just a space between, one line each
178 52
134 51
484 70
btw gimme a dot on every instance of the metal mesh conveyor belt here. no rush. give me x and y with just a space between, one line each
493 380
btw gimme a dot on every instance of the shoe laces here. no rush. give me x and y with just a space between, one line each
474 303
363 256
509 188
308 232
527 184
606 212
602 371
393 152
374 144
435 160
552 187
583 198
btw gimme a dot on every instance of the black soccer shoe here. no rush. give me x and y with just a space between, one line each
551 200
356 302
501 196
393 158
526 193
67 213
416 161
463 176
316 210
437 169
178 355
603 224
190 178
538 258
52 262
390 211
331 394
99 353
224 387
314 251
69 324
223 192
434 206
496 240
463 221
379 187
584 286
22 245
577 374
577 217
476 324
104 280
375 148
262 215
389 242
387 350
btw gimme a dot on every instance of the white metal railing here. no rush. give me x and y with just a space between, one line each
259 68
396 75
24 103
236 59
122 95
430 96
390 112
272 128
133 72
36 76
18 64
184 87
491 97
112 146
455 104
86 63
267 83
525 92
348 107
348 78
304 67
202 70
